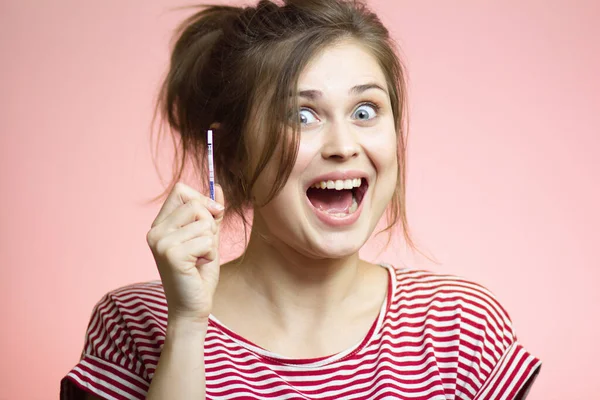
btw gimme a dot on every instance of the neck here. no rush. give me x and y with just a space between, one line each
292 286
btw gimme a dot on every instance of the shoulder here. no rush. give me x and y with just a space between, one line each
136 312
136 299
132 307
469 328
439 293
123 342
148 291
139 311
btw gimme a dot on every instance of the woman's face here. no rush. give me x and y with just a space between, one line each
346 170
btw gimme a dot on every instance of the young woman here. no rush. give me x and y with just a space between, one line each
307 104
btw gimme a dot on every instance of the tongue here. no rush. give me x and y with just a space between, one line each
331 201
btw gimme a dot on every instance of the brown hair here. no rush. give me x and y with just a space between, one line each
230 65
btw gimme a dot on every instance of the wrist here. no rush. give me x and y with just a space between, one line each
178 326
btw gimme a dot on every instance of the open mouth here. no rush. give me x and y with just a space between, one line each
338 198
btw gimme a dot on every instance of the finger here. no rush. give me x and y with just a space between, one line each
185 214
191 231
182 194
192 211
201 247
219 199
186 254
174 229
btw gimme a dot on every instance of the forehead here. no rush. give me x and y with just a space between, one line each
339 67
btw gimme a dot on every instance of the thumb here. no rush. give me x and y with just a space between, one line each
219 198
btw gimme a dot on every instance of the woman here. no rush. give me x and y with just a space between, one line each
307 102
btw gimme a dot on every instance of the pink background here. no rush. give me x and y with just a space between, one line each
503 168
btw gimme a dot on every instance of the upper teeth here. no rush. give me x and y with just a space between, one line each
338 185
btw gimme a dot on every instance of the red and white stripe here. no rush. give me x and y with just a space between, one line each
437 337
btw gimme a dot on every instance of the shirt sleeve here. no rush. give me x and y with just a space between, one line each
110 367
512 376
501 368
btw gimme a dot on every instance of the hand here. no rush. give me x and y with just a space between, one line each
184 239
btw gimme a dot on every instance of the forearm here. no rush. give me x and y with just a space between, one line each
180 372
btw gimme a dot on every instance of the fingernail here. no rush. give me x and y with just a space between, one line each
217 206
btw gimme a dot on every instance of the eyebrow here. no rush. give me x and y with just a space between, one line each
362 88
355 90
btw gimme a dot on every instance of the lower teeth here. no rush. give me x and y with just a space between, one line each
352 209
354 205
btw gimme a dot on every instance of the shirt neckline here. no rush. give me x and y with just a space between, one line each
275 358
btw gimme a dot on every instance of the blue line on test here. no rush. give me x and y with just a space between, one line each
212 190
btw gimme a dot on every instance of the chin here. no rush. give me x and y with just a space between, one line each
338 244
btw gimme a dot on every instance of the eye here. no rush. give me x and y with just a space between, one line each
307 117
365 112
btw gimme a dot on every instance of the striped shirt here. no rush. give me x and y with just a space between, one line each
436 337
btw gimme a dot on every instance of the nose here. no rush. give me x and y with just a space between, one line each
340 143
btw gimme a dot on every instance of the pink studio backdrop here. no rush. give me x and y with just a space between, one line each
503 169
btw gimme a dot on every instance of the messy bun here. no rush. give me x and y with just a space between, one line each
232 69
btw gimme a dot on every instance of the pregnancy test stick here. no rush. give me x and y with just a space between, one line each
211 166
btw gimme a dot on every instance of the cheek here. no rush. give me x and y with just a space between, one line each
306 152
292 189
382 150
383 153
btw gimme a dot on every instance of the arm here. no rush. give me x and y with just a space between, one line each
180 370
189 285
